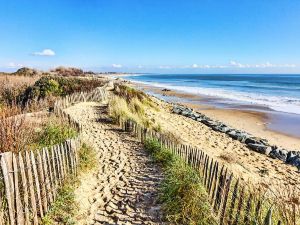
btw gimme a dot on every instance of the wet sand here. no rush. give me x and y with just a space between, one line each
257 122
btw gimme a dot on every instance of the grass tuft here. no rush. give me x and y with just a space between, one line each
87 158
65 207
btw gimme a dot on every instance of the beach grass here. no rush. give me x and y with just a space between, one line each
182 194
133 105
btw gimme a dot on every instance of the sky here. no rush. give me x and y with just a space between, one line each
162 36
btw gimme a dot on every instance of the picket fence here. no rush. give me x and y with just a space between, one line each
29 180
233 201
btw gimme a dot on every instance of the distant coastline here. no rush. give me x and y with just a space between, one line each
280 128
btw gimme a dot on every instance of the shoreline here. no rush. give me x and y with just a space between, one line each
254 122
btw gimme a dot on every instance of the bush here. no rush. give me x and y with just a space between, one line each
54 133
48 86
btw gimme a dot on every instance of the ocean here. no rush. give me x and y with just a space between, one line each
279 92
276 93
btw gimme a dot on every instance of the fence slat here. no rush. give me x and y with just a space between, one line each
19 207
247 218
233 200
25 189
8 189
31 189
240 205
37 184
42 181
226 194
46 177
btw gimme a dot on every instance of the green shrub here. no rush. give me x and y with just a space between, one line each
57 86
54 133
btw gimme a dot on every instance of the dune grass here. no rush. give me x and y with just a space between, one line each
121 107
184 198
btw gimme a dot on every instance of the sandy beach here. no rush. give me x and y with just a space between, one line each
253 122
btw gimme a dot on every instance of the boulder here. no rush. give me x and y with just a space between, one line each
199 119
263 149
176 110
232 134
292 156
209 123
280 154
222 129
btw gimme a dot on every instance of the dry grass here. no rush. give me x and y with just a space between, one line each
228 157
15 133
12 86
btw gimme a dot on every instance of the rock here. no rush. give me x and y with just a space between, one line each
165 89
242 136
197 115
209 123
176 110
199 119
232 133
221 128
293 158
263 149
280 154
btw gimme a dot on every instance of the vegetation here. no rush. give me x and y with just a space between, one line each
11 86
54 132
15 132
132 104
52 86
184 198
65 207
87 158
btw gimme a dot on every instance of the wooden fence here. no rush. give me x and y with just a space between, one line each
29 180
233 201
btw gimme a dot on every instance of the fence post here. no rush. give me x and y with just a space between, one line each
5 161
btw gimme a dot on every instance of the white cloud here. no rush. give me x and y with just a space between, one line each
116 65
45 52
164 67
262 65
14 65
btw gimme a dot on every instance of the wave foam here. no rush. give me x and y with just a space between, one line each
277 103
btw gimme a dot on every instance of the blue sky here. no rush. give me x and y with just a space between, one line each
193 36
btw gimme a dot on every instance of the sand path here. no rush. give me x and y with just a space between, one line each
123 188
